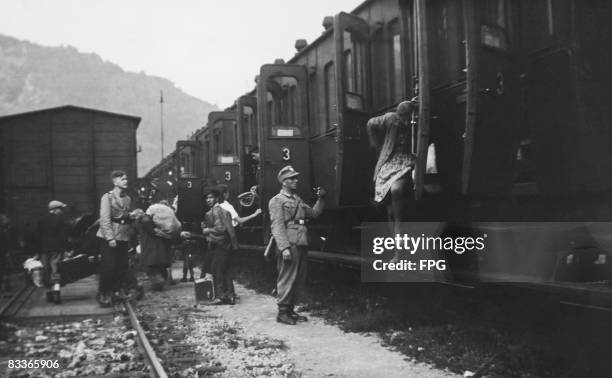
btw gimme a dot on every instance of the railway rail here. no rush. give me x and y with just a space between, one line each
12 306
155 366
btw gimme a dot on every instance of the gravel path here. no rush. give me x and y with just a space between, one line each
246 340
318 349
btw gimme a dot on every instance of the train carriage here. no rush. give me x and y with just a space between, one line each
514 119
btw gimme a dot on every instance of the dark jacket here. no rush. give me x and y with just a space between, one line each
222 234
155 249
52 234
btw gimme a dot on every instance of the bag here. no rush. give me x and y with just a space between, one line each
164 218
204 290
76 268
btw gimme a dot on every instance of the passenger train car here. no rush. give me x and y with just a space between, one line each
514 124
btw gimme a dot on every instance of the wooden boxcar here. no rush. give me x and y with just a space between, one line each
64 153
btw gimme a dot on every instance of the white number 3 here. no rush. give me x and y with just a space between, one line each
286 153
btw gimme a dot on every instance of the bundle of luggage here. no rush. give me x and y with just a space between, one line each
164 218
75 268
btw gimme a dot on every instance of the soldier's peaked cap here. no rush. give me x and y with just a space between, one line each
56 205
287 172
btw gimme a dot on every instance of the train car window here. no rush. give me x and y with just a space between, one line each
292 105
493 31
360 66
205 156
379 71
187 162
349 75
395 59
330 96
225 141
270 113
250 128
182 164
192 164
495 12
446 34
349 69
354 55
313 90
546 23
284 106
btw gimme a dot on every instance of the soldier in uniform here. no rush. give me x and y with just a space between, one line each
53 238
289 215
114 231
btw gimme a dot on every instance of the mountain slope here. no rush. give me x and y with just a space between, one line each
34 77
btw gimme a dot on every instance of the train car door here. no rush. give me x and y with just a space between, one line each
493 96
203 137
190 204
225 141
351 41
551 140
282 114
246 113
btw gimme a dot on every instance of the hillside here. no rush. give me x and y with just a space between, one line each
35 77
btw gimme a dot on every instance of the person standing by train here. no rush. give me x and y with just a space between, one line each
221 237
289 215
393 184
114 231
52 232
227 206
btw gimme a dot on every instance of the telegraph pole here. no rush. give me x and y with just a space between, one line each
161 107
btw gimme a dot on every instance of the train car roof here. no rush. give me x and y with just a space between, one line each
326 32
71 107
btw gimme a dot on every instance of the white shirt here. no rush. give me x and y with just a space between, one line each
229 208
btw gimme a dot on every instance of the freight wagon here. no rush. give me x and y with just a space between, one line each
64 153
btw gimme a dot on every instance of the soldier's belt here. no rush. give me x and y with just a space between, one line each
298 221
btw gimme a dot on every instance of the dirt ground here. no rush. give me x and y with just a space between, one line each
314 348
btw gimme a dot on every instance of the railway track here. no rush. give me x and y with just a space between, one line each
11 308
155 366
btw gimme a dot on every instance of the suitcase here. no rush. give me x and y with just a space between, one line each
75 268
204 290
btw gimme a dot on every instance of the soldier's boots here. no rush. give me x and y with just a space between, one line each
285 318
297 317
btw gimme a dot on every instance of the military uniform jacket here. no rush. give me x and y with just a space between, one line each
114 209
287 213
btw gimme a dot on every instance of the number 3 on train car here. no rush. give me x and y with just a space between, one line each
283 125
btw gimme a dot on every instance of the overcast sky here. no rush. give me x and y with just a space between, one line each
212 49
